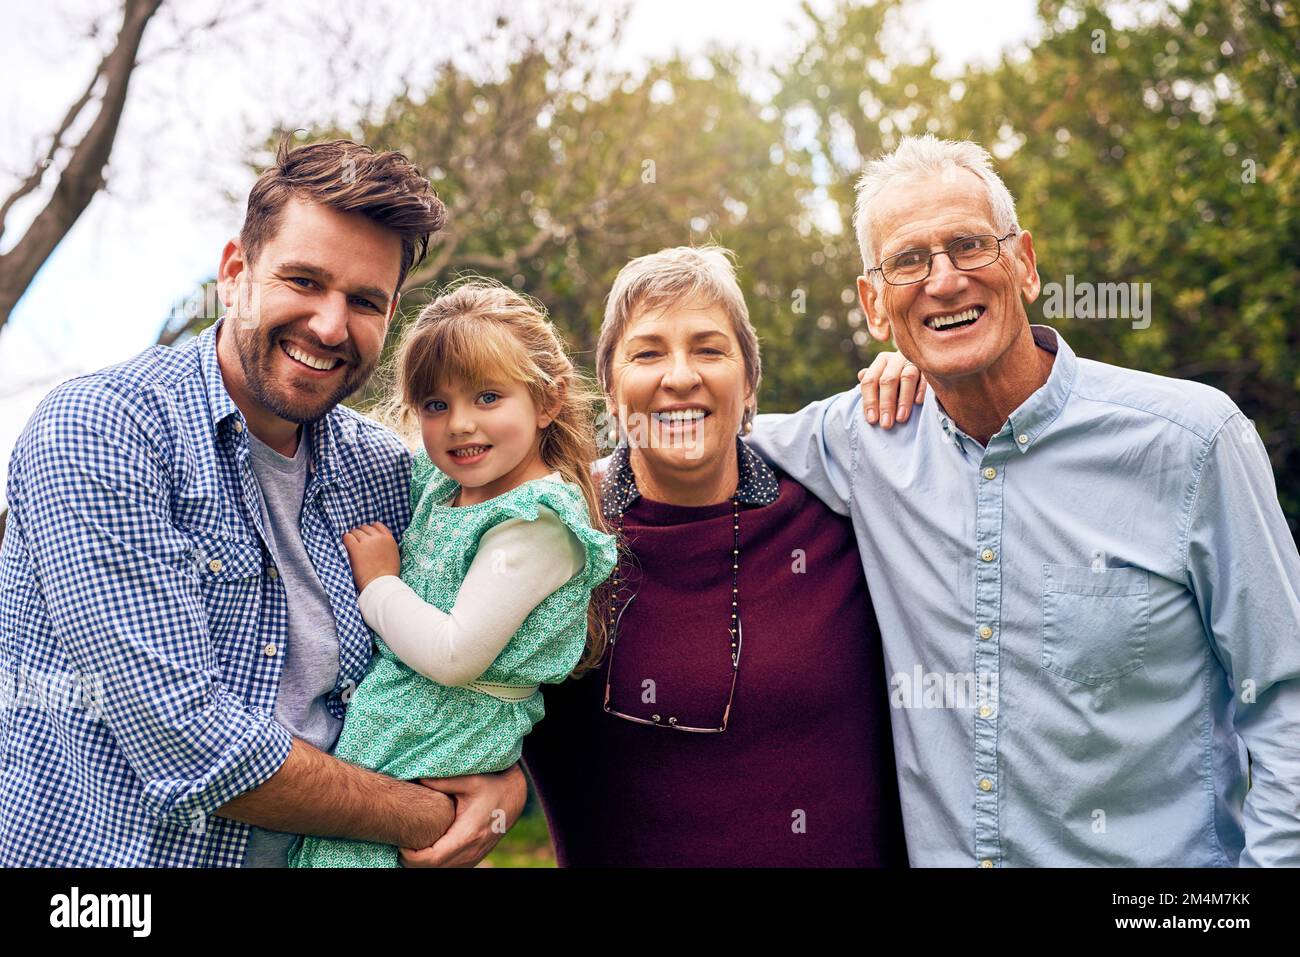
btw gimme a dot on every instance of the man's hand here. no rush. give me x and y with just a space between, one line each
373 552
890 387
487 805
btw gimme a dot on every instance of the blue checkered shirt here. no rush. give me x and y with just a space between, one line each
142 621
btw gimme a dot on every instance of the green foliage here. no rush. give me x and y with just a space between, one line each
527 844
1165 150
553 183
1173 157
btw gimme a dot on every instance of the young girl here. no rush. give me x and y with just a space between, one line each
498 563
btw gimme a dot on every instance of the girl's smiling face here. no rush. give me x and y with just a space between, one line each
487 439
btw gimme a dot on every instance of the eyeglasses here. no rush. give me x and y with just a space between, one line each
968 252
658 720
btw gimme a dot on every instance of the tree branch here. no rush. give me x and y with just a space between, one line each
83 177
42 166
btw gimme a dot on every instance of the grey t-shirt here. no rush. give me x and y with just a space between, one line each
311 653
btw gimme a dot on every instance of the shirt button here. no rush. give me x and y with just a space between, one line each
273 573
985 711
986 632
239 426
215 564
1022 438
987 554
986 863
990 472
986 784
270 649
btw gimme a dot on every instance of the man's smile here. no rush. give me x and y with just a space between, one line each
308 360
943 322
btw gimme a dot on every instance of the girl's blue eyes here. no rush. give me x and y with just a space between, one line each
437 405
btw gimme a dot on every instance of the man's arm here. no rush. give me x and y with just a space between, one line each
1243 567
314 793
814 446
121 586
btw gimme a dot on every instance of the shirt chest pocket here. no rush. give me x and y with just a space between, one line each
1094 622
230 573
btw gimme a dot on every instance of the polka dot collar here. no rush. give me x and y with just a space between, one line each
757 486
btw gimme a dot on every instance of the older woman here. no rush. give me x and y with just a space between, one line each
740 715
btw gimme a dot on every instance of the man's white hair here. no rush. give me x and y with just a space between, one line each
928 156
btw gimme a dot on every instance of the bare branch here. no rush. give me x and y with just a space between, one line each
188 36
42 166
82 178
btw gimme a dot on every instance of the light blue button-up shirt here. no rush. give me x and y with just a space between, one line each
1087 623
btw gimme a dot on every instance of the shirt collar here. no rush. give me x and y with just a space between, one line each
1040 410
220 404
325 435
757 485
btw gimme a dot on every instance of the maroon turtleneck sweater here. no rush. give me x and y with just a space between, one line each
803 775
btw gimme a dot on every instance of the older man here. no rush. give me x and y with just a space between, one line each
173 567
1088 595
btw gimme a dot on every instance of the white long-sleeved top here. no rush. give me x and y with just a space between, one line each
517 565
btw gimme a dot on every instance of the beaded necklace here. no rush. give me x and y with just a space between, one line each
733 630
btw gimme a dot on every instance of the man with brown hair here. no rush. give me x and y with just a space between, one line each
174 557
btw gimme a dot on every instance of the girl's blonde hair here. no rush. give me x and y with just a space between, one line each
478 331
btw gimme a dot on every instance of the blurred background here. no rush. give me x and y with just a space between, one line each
1145 142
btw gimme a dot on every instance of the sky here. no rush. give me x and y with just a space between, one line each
179 172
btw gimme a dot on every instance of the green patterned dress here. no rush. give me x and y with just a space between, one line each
403 724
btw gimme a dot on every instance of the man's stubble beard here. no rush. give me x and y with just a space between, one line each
257 356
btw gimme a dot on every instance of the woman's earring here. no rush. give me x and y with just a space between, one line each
747 422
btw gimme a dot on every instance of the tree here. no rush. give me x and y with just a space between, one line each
82 176
1168 153
556 172
1164 152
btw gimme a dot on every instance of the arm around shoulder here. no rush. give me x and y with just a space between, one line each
814 446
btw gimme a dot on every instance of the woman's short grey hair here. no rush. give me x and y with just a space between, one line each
702 276
928 156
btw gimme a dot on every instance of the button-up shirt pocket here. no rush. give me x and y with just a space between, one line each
230 573
1094 621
